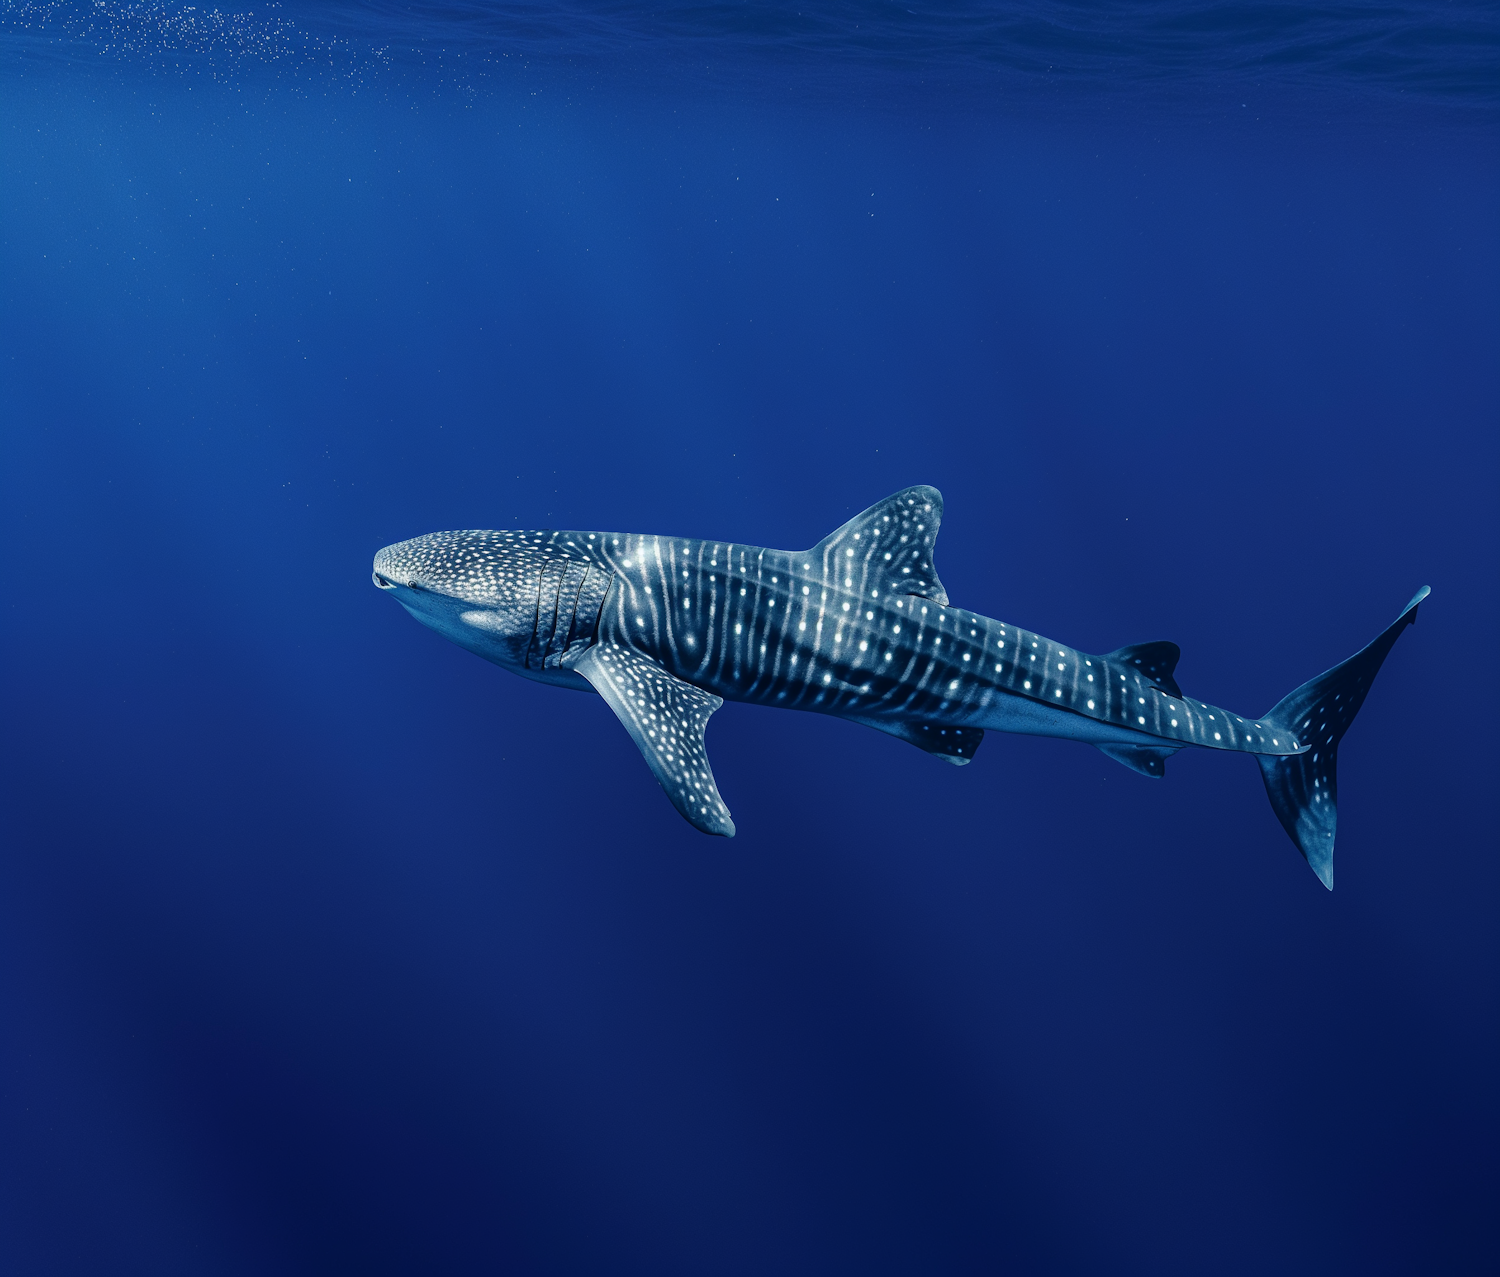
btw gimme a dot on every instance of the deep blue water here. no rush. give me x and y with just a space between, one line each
328 948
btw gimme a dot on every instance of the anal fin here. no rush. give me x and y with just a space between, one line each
1149 760
666 718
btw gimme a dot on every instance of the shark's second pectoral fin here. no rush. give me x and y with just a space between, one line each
666 718
1149 760
954 745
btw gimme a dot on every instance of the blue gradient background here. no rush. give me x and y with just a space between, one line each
327 948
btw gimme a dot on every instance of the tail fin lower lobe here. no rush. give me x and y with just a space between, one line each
1303 788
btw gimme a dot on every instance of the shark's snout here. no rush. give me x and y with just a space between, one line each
387 574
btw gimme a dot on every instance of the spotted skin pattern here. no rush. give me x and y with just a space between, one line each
860 627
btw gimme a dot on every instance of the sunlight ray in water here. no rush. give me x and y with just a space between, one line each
328 948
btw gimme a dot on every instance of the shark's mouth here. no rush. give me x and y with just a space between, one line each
381 583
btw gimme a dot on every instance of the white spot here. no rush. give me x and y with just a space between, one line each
1140 719
1216 734
1174 722
1091 704
1028 684
864 647
953 686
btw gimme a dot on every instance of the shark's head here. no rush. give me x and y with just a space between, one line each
478 589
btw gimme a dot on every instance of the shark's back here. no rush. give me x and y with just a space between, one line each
783 627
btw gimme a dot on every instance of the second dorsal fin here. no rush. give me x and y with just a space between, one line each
889 547
1155 660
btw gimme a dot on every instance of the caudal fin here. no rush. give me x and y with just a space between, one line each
1304 787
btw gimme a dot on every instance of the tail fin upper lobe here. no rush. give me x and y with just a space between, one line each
1303 788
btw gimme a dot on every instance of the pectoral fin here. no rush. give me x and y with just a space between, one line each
666 718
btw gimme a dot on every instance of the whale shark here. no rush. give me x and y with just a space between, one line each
666 629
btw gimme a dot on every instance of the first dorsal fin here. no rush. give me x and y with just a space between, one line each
1155 660
889 547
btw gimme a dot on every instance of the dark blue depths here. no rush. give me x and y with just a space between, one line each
329 948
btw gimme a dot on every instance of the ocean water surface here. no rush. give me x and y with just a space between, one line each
326 947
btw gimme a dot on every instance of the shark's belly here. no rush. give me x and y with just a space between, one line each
1025 717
